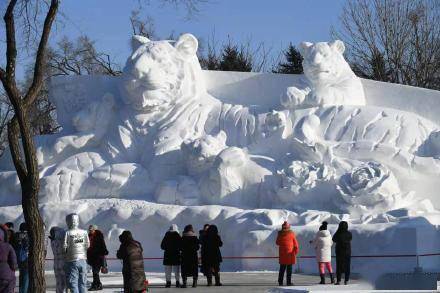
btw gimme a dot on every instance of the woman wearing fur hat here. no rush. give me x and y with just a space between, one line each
171 245
288 249
323 247
190 246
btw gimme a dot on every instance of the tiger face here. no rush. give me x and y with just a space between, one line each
159 73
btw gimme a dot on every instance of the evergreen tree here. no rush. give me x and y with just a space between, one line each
235 58
292 63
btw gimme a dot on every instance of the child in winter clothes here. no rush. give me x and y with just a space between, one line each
288 249
8 264
56 236
323 247
342 238
190 246
171 244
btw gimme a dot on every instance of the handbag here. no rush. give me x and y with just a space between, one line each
104 269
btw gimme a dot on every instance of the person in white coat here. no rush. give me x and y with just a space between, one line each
323 247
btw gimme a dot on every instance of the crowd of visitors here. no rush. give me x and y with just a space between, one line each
73 249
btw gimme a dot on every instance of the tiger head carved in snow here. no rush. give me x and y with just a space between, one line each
158 73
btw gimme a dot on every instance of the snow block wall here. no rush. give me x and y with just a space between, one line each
169 143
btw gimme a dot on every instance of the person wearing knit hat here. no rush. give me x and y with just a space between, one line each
8 264
171 245
288 249
323 248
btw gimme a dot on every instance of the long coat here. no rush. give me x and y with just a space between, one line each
323 246
132 266
171 244
97 250
190 246
288 247
342 249
212 256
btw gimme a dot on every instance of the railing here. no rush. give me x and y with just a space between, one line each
300 256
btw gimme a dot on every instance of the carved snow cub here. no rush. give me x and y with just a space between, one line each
330 79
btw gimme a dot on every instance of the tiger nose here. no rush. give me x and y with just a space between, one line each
317 58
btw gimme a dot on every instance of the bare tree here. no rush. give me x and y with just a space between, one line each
79 57
396 41
142 27
19 132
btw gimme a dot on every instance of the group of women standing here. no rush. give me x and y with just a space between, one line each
181 254
322 243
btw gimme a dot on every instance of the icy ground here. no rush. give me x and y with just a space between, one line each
245 282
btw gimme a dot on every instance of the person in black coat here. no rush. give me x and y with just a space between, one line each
96 255
212 255
342 238
190 246
202 235
171 244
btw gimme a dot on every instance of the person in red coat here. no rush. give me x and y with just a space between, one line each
288 249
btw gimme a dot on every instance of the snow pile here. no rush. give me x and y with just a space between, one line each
167 142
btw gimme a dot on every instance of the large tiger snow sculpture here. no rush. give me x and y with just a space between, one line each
163 137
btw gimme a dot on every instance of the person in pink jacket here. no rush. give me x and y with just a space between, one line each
8 264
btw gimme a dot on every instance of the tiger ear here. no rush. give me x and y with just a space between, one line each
338 45
137 41
187 45
304 46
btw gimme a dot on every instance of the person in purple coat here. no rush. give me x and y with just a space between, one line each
8 264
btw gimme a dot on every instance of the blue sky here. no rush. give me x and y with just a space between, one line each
275 22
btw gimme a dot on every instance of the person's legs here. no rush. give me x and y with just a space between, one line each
23 279
321 267
217 275
347 269
96 279
338 270
72 275
168 270
209 275
289 275
328 265
177 274
281 274
60 275
82 277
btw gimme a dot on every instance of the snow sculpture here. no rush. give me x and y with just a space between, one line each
370 188
330 79
234 179
157 134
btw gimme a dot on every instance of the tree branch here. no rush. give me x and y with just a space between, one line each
37 81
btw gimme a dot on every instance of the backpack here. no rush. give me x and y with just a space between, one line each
22 251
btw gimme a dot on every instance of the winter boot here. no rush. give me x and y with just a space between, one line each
194 282
99 287
322 279
346 282
168 284
183 283
289 280
93 287
332 278
177 284
217 280
209 280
